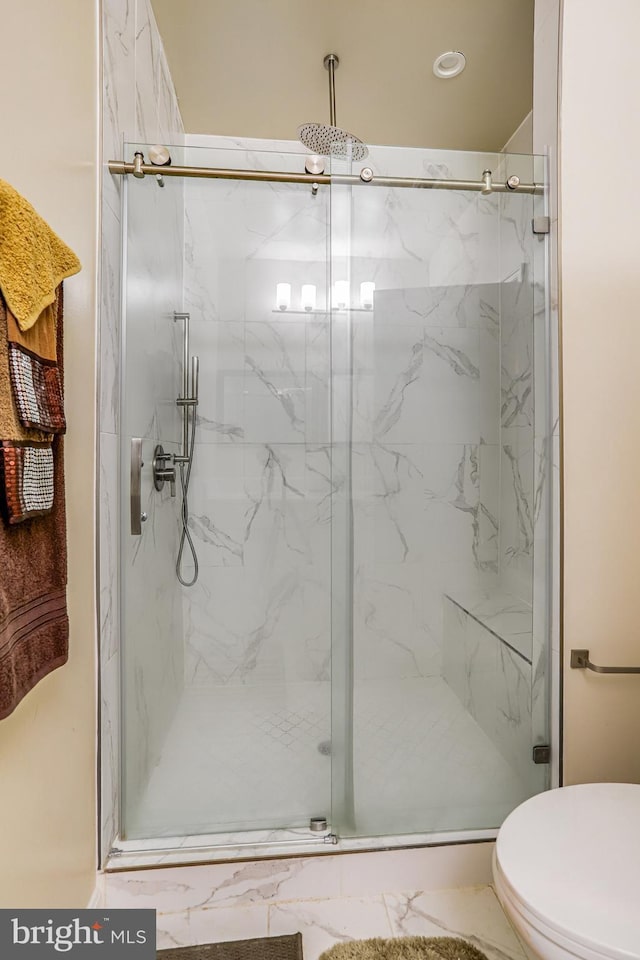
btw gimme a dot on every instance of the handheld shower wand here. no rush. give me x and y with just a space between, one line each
188 403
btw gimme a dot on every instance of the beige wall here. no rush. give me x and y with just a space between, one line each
247 68
47 747
600 216
521 140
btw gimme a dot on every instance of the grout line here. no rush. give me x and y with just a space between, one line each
386 909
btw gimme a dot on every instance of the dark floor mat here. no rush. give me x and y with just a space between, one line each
265 948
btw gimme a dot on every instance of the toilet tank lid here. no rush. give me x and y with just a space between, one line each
572 857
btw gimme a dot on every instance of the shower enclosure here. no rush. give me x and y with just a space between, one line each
365 654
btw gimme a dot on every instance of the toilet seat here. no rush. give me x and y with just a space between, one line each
567 863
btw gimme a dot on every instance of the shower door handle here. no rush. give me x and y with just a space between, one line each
135 486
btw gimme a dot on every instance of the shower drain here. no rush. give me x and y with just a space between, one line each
324 747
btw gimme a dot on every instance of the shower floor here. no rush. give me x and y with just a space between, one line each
255 758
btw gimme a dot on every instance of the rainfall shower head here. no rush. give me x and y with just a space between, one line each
326 138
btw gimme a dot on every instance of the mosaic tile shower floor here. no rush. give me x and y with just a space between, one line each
256 758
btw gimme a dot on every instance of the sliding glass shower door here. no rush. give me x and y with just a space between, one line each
440 409
364 652
227 700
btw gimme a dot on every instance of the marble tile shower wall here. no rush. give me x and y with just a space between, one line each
517 304
261 482
139 104
426 402
526 438
505 690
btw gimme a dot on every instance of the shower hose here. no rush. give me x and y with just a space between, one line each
185 477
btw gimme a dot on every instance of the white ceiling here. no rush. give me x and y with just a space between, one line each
253 68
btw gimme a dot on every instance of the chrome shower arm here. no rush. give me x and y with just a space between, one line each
331 61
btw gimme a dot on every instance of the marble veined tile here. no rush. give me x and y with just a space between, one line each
324 923
148 48
173 931
504 615
388 482
470 305
119 74
220 347
275 382
391 636
110 310
228 923
228 885
473 914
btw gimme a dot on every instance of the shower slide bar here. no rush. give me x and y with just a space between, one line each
580 661
486 185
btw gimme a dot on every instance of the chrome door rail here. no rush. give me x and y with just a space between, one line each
485 185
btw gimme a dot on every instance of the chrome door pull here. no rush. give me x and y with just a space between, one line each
135 486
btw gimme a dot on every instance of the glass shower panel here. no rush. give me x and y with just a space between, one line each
151 614
446 491
240 724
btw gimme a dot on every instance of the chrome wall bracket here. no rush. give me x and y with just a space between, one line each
541 753
541 225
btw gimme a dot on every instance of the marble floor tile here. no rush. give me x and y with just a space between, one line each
173 930
473 914
325 922
228 923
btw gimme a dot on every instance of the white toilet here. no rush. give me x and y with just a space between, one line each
567 872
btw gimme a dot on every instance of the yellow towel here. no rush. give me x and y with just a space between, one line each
33 259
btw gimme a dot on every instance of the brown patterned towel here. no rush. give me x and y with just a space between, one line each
10 426
26 480
35 378
34 627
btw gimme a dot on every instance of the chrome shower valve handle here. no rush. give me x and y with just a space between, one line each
161 473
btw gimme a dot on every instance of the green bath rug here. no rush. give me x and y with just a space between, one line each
405 948
265 948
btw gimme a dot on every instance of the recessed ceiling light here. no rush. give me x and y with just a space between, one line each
449 64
